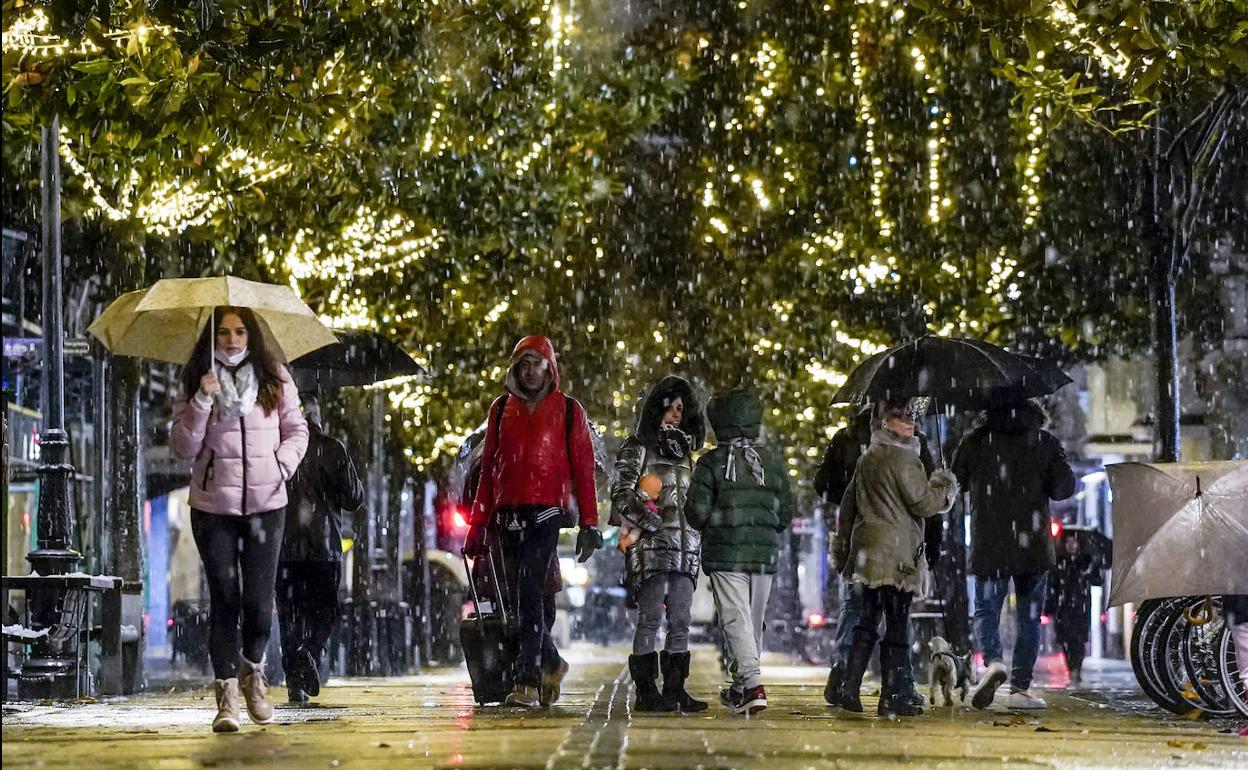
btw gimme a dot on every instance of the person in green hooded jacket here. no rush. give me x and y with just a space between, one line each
740 500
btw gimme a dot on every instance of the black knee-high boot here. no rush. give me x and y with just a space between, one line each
675 671
894 671
832 690
855 667
644 669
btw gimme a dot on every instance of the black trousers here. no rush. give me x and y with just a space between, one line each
240 556
1072 636
307 606
527 549
890 603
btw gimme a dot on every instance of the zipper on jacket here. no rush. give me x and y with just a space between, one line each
242 427
208 470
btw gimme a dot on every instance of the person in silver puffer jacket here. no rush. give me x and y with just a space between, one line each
663 561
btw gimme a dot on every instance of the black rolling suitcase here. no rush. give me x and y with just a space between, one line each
489 639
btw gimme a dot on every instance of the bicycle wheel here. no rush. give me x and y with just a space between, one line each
1169 662
1152 616
1199 653
1231 668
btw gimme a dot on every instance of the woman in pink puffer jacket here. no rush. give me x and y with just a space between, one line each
239 422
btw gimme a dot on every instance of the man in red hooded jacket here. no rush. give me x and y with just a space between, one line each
537 476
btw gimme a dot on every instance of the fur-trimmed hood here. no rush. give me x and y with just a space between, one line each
655 403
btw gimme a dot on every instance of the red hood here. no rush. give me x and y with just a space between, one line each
543 347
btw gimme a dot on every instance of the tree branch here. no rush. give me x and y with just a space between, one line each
1213 104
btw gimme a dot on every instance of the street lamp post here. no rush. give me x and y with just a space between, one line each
50 672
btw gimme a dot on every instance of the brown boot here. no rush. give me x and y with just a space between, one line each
227 694
255 689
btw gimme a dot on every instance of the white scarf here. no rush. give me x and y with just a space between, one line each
748 449
239 389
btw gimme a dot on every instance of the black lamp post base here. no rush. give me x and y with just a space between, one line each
54 561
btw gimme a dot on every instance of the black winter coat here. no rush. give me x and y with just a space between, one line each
1012 467
325 484
1069 600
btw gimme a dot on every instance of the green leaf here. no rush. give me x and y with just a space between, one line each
1144 83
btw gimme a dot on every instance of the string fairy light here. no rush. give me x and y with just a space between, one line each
31 35
866 118
1032 161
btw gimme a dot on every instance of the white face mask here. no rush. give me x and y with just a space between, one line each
233 360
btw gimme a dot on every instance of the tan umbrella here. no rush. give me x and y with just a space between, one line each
1180 529
164 321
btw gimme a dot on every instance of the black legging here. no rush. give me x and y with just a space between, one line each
240 560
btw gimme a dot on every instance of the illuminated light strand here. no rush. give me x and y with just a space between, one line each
767 60
166 208
937 139
560 24
1112 61
535 150
366 246
1001 283
30 35
427 146
871 273
866 119
832 240
1032 163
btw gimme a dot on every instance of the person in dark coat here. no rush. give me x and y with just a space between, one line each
1012 468
832 478
662 564
325 484
1070 601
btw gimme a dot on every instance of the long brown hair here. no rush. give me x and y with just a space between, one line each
268 369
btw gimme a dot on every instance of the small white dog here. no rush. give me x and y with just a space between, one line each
948 672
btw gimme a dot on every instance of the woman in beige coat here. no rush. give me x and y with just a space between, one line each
879 548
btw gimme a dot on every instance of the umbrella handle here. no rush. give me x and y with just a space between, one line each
1203 615
212 337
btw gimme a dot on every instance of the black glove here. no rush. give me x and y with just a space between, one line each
474 541
588 540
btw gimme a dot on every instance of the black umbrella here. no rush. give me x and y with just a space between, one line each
951 370
1049 379
359 358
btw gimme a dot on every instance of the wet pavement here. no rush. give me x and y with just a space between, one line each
431 721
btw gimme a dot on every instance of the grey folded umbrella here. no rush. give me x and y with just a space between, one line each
1180 529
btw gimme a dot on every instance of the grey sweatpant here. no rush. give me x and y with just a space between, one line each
675 590
740 601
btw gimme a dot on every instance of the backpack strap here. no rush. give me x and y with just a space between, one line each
498 421
569 412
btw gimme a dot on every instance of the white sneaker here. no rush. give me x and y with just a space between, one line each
994 676
1023 699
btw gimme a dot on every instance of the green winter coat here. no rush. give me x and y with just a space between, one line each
740 520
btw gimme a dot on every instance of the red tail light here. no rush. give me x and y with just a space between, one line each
816 620
1055 528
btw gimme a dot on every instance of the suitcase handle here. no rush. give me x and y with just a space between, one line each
472 584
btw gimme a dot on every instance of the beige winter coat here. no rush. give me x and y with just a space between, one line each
879 535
